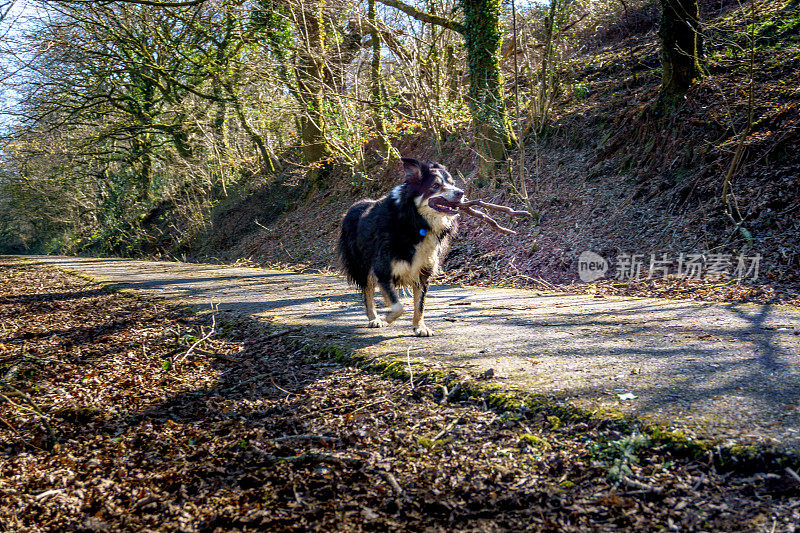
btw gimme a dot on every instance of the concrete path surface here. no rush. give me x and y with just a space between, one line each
730 371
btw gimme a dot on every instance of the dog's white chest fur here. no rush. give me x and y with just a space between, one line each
426 256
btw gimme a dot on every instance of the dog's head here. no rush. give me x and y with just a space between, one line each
436 195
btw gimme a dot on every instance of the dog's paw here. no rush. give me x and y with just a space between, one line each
378 323
394 312
423 331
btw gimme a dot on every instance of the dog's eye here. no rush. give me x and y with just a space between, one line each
436 186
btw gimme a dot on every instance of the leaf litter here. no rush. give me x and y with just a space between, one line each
110 421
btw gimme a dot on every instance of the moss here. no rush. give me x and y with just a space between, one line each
662 435
501 400
739 455
535 441
679 439
567 484
431 445
496 396
557 414
333 352
746 452
606 413
483 37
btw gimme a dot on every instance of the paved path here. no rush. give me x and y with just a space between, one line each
724 370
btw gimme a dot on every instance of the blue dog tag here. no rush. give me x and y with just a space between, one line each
423 232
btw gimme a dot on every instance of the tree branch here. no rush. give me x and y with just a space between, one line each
423 16
156 3
486 218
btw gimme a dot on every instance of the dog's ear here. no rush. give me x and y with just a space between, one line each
413 170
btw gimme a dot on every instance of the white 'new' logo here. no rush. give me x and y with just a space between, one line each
591 266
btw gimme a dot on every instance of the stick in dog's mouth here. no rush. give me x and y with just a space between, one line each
467 207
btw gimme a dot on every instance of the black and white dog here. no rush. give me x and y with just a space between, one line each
400 240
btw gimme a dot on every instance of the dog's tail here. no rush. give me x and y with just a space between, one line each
351 260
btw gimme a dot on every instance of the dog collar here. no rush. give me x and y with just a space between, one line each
423 231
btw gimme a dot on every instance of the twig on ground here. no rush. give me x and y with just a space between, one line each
303 437
258 377
46 494
297 497
312 457
789 470
547 285
401 494
15 369
410 370
331 408
33 405
450 396
371 404
207 353
641 486
447 429
12 372
250 380
281 333
17 433
207 336
277 387
146 500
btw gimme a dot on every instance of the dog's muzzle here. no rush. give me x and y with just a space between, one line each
447 201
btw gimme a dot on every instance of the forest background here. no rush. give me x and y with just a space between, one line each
228 130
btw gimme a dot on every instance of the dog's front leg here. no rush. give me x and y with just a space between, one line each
420 330
369 302
395 306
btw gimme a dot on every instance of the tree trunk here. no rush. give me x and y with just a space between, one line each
310 84
257 139
681 46
482 38
142 154
544 73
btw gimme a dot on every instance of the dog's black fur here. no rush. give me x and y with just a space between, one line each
400 239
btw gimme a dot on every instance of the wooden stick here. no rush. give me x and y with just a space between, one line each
395 485
307 436
495 207
641 486
486 218
792 473
311 457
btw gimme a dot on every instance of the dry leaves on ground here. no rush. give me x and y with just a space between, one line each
107 425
